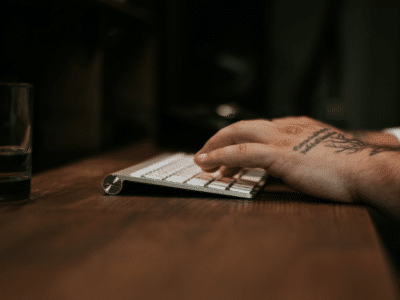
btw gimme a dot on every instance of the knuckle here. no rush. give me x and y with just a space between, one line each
304 118
236 127
220 152
216 155
223 130
282 119
230 128
243 148
240 124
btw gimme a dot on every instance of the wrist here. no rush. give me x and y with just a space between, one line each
377 184
395 131
382 138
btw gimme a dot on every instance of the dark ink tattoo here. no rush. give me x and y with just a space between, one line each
333 139
344 144
317 141
315 134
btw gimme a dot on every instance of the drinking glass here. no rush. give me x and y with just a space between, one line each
16 108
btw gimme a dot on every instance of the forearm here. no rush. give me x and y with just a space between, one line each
376 137
378 184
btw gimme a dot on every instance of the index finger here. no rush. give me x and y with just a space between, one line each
255 131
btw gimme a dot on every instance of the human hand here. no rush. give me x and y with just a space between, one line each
308 155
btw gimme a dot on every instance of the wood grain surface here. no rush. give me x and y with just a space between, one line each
70 241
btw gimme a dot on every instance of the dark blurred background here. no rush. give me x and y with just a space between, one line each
92 65
109 72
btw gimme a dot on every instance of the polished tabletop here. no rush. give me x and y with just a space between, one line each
70 241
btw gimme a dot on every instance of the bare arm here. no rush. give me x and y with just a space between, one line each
313 158
378 184
383 172
376 137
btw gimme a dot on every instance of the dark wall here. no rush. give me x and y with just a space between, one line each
336 61
93 66
79 55
210 54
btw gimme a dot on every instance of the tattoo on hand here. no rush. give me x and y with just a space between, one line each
333 139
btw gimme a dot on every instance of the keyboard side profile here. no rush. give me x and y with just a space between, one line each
179 171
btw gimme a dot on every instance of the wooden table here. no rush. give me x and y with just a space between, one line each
73 242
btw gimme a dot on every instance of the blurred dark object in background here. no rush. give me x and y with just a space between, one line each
212 68
129 47
82 56
336 61
333 60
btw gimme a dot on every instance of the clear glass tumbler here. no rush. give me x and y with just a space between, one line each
16 108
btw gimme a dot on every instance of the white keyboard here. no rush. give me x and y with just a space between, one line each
179 171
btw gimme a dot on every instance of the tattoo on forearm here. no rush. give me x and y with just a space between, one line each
333 139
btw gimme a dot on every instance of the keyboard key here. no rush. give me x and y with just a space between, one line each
219 187
254 175
202 179
176 179
227 180
222 183
245 183
243 186
198 182
185 174
170 169
241 189
205 176
141 172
